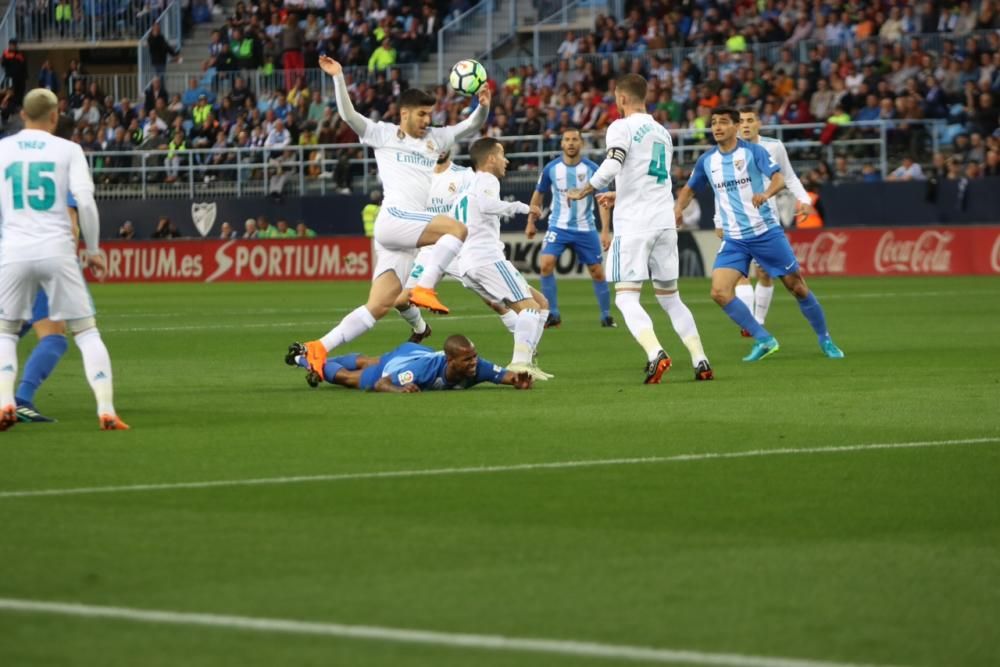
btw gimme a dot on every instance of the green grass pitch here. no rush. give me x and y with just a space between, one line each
873 556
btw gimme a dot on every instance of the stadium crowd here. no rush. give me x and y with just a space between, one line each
845 77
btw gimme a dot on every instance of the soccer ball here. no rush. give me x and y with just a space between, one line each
467 77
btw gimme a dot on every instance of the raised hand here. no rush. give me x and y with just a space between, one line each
330 66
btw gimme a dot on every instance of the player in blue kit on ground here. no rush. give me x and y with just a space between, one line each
745 177
411 368
571 225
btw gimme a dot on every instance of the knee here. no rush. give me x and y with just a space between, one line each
542 302
721 295
796 285
459 230
623 297
547 266
596 271
403 300
378 310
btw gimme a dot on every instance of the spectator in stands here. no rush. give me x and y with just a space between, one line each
283 231
264 228
249 229
159 50
227 233
907 171
166 229
127 230
47 78
383 57
292 43
16 69
303 232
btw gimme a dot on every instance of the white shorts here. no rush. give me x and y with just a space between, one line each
398 229
399 262
636 258
499 282
60 277
422 260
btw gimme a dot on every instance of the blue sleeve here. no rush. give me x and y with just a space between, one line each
698 178
763 160
544 182
70 200
592 168
419 371
487 371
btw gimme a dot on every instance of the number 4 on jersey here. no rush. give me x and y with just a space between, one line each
658 165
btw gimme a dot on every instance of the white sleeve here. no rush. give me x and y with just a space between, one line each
81 185
792 181
618 142
487 196
361 125
467 128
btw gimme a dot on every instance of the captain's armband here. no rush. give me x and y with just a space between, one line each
617 154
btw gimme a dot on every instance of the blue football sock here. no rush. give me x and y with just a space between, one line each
330 370
603 298
814 313
549 290
39 366
347 361
739 313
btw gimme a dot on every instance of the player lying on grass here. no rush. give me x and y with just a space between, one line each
410 368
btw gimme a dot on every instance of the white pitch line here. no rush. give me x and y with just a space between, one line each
474 470
261 325
410 636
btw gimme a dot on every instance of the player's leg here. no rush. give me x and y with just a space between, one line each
44 357
18 286
763 292
587 246
744 292
410 313
664 269
555 244
775 255
628 268
507 316
391 269
445 235
732 263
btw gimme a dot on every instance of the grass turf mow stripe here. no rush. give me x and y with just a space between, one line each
402 635
555 465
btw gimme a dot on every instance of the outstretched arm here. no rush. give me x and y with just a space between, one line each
470 126
517 380
345 108
385 385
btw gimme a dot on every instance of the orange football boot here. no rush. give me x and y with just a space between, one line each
427 298
113 423
8 417
316 356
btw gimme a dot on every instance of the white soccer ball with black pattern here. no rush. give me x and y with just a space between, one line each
467 77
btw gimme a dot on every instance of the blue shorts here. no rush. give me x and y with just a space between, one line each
771 250
586 244
373 374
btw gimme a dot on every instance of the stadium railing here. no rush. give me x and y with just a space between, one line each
170 28
481 25
291 171
96 20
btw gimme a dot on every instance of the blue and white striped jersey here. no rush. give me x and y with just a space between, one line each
558 177
736 177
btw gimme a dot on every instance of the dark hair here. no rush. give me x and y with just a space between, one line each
414 97
572 128
732 113
457 343
632 85
750 109
481 150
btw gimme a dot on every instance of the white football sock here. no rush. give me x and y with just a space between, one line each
97 366
683 321
442 252
525 332
357 322
762 301
8 368
413 317
744 292
638 322
543 316
509 320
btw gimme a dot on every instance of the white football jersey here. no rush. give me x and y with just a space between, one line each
480 208
445 187
39 170
406 164
644 200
